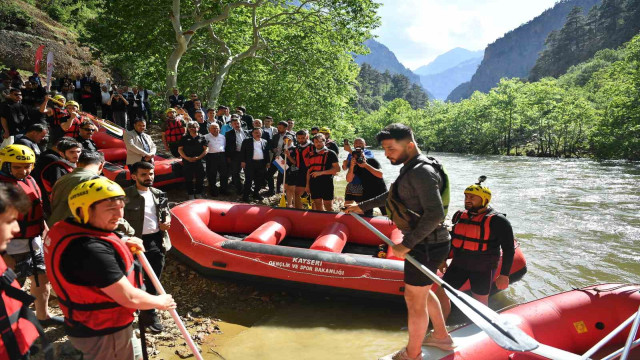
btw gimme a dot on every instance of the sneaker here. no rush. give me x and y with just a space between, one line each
151 321
52 321
445 343
400 355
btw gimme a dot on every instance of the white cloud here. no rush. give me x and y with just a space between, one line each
419 30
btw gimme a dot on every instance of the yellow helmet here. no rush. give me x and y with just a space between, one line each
479 190
170 110
72 103
60 98
19 154
89 192
325 130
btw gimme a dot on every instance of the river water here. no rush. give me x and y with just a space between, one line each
577 222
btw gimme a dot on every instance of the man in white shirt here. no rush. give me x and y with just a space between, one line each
255 162
105 96
148 213
215 158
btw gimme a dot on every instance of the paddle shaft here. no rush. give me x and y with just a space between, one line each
174 314
107 126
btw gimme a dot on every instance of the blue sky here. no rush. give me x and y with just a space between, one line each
419 30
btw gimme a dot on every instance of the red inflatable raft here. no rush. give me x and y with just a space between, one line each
572 322
109 141
291 246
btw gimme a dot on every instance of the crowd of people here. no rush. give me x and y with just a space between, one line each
71 228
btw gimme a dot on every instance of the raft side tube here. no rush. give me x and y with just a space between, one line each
333 238
271 232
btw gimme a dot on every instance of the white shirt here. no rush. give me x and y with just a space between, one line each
215 144
257 150
240 136
270 130
105 97
21 246
150 225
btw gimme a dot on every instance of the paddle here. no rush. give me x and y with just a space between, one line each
174 314
503 332
104 123
283 197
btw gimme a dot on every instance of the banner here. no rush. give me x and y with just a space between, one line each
38 58
280 164
49 69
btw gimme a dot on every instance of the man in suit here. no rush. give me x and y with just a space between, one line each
245 118
277 145
176 99
257 123
233 145
255 162
140 146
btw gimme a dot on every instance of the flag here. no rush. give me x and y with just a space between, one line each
38 58
49 69
280 164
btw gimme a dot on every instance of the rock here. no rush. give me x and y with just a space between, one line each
196 309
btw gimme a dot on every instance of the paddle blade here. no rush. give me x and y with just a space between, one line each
283 201
501 330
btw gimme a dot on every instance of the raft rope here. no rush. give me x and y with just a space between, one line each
363 276
597 290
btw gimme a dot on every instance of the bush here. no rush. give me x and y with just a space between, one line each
13 18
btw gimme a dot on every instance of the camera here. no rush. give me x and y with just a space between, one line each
357 154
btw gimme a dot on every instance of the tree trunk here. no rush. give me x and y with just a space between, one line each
221 75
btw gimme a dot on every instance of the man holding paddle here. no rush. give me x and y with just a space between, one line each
417 203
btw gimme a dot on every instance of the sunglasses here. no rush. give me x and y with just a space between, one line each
89 129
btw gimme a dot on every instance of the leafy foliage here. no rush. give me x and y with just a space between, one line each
13 17
374 88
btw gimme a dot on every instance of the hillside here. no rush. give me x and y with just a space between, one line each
23 28
448 60
516 52
441 84
383 59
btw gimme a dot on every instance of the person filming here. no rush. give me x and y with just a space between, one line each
364 167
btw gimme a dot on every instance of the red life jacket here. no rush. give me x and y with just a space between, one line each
302 153
19 327
48 186
174 131
471 233
317 161
31 223
74 130
59 115
87 310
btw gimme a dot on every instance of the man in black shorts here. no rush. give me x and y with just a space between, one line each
475 258
322 164
416 202
297 174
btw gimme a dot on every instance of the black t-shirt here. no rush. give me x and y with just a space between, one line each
192 146
87 144
89 261
330 159
17 116
372 185
331 145
117 104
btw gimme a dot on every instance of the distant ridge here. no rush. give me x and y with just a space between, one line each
516 52
448 60
383 59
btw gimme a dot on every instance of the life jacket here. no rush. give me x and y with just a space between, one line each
58 116
48 186
317 161
403 217
31 223
302 155
74 130
174 131
471 232
19 327
88 311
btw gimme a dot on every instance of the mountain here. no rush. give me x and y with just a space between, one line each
448 60
383 59
441 84
516 52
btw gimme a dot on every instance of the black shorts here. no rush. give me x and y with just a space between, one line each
321 187
437 254
301 178
457 276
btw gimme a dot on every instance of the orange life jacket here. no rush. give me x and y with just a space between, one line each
74 130
88 311
317 161
471 233
31 223
174 131
302 153
19 327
